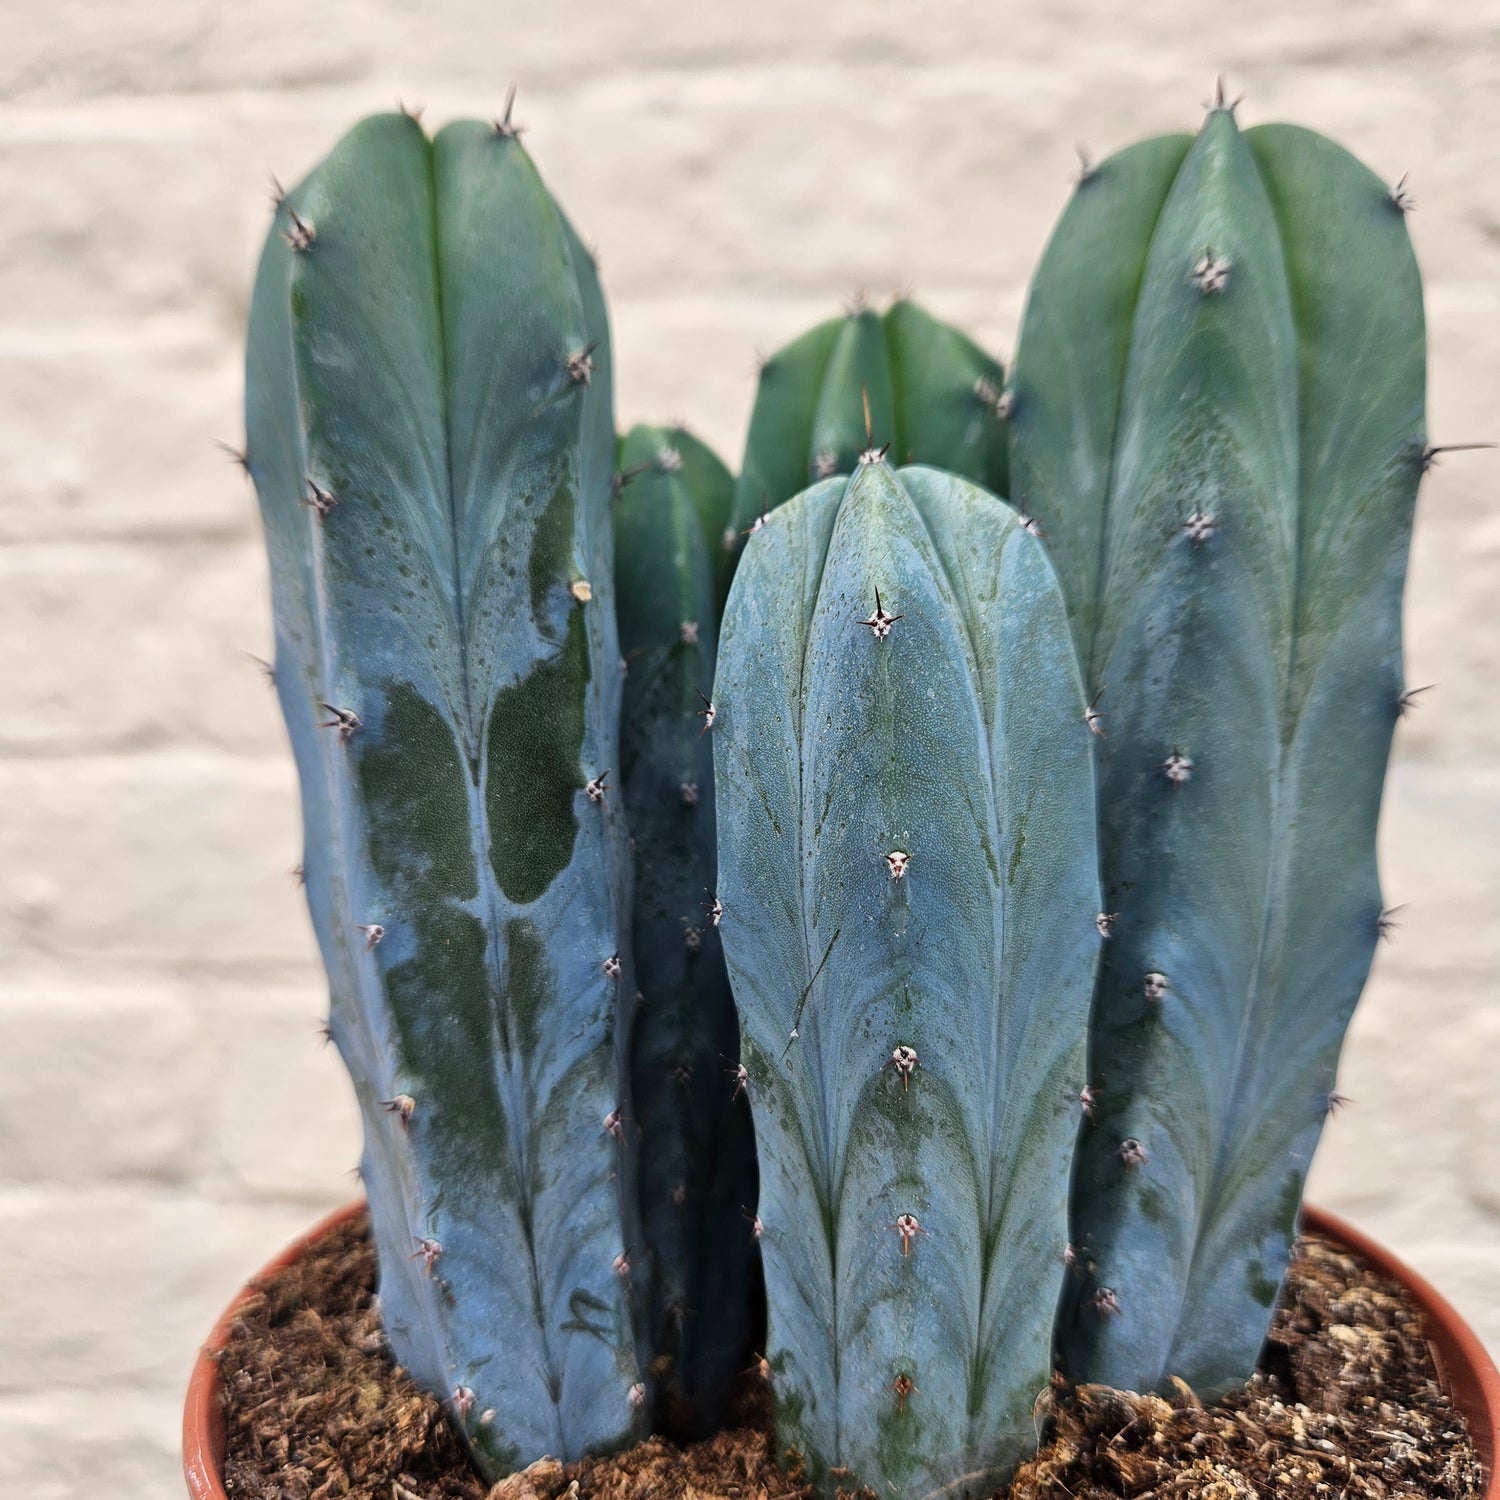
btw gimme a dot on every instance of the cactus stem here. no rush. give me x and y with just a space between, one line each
373 932
505 126
612 966
1199 527
896 862
1095 720
580 366
345 720
1177 768
908 1228
582 590
1386 923
1132 1153
1105 1302
880 622
319 500
428 1251
1400 196
904 1061
1104 923
301 235
903 1387
687 632
595 789
1211 274
401 1106
1156 986
1431 452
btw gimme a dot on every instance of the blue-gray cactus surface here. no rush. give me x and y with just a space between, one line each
430 432
697 1149
1219 421
927 388
908 876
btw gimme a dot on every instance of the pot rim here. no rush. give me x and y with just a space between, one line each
1465 1371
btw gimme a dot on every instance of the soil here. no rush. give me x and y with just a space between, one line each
1347 1408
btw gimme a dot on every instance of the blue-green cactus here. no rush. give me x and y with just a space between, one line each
697 1153
1219 420
430 432
930 390
908 876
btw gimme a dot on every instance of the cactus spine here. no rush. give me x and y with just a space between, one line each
1219 418
908 871
430 432
698 1179
930 388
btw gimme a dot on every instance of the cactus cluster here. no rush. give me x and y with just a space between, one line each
735 962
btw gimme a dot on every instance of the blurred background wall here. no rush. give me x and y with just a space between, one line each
168 1116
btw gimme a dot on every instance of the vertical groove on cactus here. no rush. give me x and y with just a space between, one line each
459 474
1219 419
697 1157
913 1177
930 389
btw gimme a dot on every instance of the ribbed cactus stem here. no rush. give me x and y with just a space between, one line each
908 874
428 407
1219 419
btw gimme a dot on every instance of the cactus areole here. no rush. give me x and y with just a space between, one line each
430 432
1219 420
913 1027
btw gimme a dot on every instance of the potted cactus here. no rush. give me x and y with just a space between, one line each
979 794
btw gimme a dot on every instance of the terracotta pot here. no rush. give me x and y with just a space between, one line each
1467 1373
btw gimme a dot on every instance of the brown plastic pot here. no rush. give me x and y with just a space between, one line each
1467 1373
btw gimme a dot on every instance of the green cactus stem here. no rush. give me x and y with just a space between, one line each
697 1155
430 432
909 883
1219 420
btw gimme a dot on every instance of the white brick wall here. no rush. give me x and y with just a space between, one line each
167 1117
